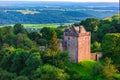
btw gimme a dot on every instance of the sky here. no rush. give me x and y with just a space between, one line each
69 0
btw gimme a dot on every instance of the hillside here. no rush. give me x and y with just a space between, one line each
116 17
47 12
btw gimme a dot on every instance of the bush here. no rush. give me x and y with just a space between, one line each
4 75
48 72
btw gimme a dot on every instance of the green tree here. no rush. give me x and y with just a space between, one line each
6 35
12 58
111 47
21 78
59 32
34 36
1 36
54 44
18 28
37 37
97 71
3 51
96 47
28 61
90 24
9 35
32 62
105 26
42 42
20 56
59 60
48 72
109 70
6 61
5 75
116 24
46 34
23 41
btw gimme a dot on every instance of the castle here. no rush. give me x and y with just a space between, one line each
77 41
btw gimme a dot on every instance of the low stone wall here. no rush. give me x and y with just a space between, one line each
96 56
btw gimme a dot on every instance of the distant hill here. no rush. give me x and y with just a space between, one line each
53 12
116 17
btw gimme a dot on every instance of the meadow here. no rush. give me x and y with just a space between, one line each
41 25
35 25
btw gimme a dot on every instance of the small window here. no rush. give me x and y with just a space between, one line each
68 38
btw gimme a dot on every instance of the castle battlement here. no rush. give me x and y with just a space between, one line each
85 34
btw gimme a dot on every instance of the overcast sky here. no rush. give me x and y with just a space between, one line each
69 0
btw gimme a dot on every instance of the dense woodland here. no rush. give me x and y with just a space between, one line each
21 57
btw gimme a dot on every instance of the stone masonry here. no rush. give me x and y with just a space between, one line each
77 41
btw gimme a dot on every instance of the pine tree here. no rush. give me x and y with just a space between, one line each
54 44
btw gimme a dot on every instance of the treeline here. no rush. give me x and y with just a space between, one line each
55 16
21 56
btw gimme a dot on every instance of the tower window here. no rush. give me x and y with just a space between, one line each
68 38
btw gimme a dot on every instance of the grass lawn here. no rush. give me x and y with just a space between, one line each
84 68
118 76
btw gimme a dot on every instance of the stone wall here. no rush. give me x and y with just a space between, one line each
96 56
84 46
72 48
77 42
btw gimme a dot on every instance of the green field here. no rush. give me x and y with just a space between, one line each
54 25
42 25
36 25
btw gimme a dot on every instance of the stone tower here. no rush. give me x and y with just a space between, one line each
77 42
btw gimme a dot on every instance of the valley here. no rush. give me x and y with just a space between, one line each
49 13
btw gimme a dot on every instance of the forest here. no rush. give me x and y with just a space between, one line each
21 56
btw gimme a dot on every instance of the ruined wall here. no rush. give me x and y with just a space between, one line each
78 41
84 46
96 56
72 47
